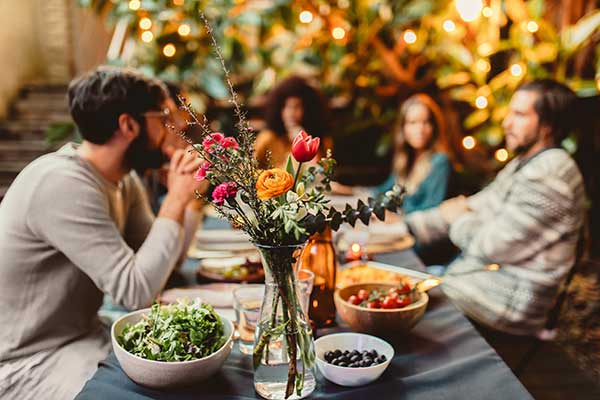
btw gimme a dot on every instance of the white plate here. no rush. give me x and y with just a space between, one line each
219 295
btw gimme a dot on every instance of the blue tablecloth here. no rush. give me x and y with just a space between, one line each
442 358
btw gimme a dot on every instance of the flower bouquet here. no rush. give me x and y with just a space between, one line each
279 209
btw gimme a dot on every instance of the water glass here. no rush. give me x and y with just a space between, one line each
247 300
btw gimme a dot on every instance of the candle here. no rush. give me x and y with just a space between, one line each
354 253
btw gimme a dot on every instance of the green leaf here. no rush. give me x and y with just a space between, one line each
476 118
536 8
289 166
457 78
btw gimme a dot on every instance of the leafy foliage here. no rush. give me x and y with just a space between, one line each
177 332
372 65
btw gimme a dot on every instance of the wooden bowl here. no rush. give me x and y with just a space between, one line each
387 323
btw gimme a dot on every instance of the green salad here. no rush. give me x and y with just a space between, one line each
177 332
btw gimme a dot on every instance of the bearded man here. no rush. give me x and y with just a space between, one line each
76 224
524 224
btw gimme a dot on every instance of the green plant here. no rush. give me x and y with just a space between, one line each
366 54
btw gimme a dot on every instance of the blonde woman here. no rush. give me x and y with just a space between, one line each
420 162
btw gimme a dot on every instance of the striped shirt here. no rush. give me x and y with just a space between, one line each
527 221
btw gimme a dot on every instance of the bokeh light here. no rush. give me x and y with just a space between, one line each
145 23
501 155
410 36
184 29
481 102
306 17
449 25
532 26
147 36
469 10
169 50
135 5
338 33
516 70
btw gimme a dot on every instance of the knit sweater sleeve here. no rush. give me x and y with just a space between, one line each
140 216
76 221
537 212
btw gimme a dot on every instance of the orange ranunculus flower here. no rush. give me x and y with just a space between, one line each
273 182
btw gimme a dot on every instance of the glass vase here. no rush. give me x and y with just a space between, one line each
284 354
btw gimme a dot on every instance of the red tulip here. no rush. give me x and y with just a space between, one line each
305 147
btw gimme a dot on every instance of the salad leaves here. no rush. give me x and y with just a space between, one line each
177 332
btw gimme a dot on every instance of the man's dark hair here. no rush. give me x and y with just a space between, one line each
555 106
97 98
315 108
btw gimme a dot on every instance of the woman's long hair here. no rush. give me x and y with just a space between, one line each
404 154
315 108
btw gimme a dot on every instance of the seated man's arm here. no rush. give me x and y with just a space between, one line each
538 212
140 216
72 216
427 226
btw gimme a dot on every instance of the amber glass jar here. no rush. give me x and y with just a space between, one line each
319 257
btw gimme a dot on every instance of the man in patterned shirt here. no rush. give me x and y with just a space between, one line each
527 221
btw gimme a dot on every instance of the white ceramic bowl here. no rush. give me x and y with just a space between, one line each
346 376
162 374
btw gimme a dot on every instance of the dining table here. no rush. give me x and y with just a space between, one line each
442 357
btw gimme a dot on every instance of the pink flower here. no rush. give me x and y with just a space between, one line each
305 147
230 142
201 173
224 191
212 139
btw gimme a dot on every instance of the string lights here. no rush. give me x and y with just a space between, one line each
449 25
409 36
469 142
501 155
481 102
147 36
338 33
184 30
145 23
516 70
134 5
169 50
532 26
305 17
469 10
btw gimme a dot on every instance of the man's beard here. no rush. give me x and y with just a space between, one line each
140 157
523 148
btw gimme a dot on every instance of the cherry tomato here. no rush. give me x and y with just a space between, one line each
363 294
389 302
374 304
404 289
354 300
403 301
